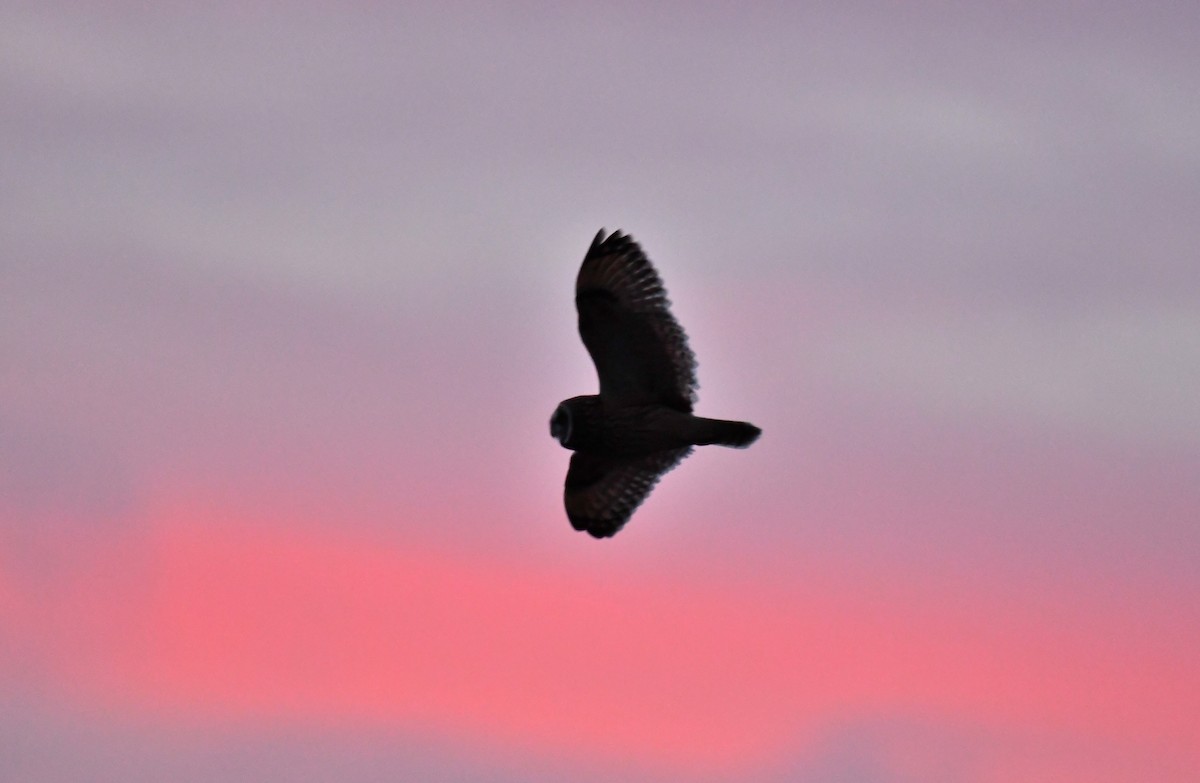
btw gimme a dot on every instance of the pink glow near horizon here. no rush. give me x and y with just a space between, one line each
688 675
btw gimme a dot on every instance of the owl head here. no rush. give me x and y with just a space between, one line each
561 423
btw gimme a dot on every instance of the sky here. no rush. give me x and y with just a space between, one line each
286 304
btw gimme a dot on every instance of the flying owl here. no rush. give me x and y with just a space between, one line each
640 425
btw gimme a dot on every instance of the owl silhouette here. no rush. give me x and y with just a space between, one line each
640 425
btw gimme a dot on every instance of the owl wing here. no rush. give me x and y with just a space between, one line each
601 493
640 351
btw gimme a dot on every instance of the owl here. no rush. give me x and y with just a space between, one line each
640 425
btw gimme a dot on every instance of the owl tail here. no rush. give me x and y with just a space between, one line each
737 434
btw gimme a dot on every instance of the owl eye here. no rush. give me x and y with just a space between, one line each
560 425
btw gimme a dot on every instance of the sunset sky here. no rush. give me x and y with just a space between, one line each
286 305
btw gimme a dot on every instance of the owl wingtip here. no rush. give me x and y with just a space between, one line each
594 526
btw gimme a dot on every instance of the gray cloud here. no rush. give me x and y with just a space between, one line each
1127 372
52 476
913 749
47 746
1015 157
133 367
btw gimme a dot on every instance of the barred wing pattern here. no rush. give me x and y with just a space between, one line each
601 493
640 351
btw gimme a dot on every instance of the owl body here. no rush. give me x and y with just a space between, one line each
587 424
641 424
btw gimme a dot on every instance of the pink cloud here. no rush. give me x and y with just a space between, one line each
233 622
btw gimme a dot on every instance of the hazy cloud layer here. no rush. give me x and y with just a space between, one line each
283 269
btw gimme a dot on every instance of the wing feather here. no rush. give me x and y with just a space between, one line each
601 493
640 351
